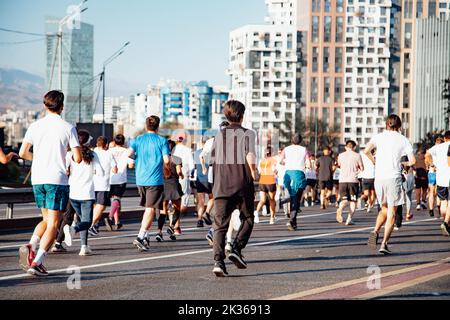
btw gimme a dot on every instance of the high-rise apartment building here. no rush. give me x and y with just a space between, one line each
77 68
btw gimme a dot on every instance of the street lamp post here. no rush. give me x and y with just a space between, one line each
108 61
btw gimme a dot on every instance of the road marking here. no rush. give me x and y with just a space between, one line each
127 235
349 283
20 276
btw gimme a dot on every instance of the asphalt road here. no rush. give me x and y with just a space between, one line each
322 260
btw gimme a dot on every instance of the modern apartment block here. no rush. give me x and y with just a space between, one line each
432 66
77 68
367 68
412 12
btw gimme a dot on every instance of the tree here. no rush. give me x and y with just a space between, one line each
429 140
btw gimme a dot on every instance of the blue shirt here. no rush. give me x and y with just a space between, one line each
149 150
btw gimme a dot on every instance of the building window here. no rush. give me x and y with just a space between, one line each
339 29
314 89
431 8
337 117
327 5
327 29
338 90
407 12
419 9
315 59
316 5
338 60
326 59
315 29
408 35
340 5
326 90
326 116
406 95
407 66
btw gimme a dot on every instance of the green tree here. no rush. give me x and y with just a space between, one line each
429 140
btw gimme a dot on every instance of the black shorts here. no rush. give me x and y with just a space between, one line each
336 183
326 185
368 184
421 183
102 198
117 190
443 193
311 182
266 188
203 187
152 197
349 191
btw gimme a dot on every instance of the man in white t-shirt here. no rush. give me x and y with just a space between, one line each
390 146
51 137
438 155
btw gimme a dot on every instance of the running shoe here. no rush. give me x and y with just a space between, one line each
26 256
170 231
424 206
85 251
272 221
108 224
118 226
373 240
445 229
210 237
256 217
219 269
385 250
58 248
339 217
306 204
178 231
93 231
291 227
207 218
236 257
69 233
147 241
418 207
37 270
200 224
159 237
349 222
410 217
228 247
432 213
140 244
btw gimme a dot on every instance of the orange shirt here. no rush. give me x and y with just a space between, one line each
266 167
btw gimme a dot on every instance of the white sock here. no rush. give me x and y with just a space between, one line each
40 256
147 233
142 234
34 241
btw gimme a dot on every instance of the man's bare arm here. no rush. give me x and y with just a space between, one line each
368 152
24 152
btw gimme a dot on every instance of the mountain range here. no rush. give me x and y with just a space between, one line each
20 90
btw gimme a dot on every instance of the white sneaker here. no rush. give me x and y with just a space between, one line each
418 207
256 217
306 204
349 222
272 221
85 251
264 212
69 233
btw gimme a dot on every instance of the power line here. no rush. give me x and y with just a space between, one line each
20 42
22 32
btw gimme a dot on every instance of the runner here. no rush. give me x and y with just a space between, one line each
391 146
325 168
421 174
173 172
433 201
118 180
82 194
204 188
336 175
351 165
50 138
296 160
267 184
311 183
368 182
281 192
68 218
151 151
185 154
438 155
233 186
408 186
102 185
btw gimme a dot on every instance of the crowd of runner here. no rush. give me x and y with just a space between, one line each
74 184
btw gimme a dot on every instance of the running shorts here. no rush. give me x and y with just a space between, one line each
349 191
152 197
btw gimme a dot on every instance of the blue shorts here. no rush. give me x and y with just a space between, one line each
51 196
432 178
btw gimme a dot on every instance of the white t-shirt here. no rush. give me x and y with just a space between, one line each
102 183
311 172
187 158
295 157
337 174
81 179
120 155
207 149
50 136
439 154
391 147
369 168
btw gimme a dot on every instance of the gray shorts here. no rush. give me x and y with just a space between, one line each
390 192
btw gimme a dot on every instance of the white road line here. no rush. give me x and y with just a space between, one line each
128 235
24 275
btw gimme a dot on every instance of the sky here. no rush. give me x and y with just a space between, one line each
171 39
